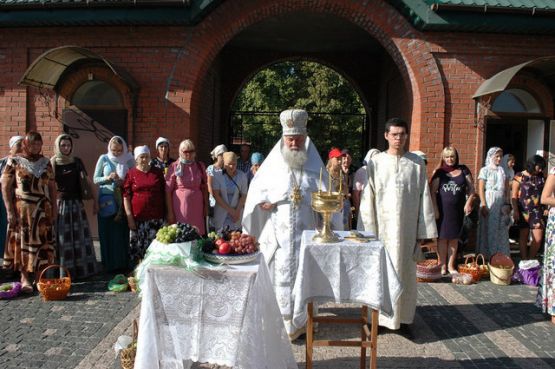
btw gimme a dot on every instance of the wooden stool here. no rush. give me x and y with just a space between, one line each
368 338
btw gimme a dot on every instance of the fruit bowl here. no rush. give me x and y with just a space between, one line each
231 259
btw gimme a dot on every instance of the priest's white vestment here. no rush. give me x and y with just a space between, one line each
279 230
396 206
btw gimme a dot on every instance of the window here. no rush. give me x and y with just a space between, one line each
97 94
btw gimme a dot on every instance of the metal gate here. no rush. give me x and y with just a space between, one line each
262 130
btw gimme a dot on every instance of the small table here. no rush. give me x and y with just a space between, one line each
226 318
345 272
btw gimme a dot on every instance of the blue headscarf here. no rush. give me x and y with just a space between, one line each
257 158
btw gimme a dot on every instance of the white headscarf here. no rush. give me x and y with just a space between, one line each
500 173
58 157
509 172
122 160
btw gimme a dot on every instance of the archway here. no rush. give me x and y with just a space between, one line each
354 37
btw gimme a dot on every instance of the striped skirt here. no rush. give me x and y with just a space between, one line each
74 241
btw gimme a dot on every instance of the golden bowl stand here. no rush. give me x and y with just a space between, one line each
326 203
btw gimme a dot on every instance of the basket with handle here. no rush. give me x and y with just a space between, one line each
54 288
483 267
471 267
127 355
501 269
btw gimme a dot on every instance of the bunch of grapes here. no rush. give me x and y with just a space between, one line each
167 234
242 243
177 233
186 233
207 245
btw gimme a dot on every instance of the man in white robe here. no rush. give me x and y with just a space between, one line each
278 207
396 206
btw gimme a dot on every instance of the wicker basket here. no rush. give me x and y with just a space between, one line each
127 355
54 288
471 267
428 271
483 267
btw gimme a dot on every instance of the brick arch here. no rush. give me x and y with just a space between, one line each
381 21
76 78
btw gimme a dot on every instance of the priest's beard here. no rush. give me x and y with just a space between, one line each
294 158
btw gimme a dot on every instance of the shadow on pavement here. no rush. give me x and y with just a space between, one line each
433 363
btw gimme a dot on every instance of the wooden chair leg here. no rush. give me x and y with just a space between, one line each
309 335
363 336
374 339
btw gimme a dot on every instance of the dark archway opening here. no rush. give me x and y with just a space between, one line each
324 38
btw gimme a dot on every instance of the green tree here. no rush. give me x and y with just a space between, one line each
336 113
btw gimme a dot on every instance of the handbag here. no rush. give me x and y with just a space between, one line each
84 185
107 206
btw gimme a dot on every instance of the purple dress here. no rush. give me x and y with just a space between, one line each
451 198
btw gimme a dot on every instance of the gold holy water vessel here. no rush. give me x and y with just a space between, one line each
326 203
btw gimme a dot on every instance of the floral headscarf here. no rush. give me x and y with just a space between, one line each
121 160
59 158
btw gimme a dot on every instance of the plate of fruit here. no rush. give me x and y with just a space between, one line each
230 247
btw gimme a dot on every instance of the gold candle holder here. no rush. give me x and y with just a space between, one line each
326 203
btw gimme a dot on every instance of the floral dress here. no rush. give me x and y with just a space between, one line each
546 290
531 211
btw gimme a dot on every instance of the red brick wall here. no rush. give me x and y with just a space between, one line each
182 92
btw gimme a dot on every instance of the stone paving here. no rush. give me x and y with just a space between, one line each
478 326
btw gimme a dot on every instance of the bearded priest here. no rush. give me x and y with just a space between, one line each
278 207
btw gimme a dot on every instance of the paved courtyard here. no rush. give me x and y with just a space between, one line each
478 326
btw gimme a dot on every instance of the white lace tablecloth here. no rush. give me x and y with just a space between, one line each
347 271
230 318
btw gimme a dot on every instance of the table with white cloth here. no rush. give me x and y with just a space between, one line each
228 317
351 271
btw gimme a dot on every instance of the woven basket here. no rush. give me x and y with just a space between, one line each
54 288
483 267
471 267
127 355
428 271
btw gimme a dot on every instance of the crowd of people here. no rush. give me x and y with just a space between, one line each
135 194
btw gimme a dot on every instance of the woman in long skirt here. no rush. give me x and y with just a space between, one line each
75 245
113 231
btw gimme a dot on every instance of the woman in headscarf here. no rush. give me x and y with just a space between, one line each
495 208
162 160
144 200
73 236
508 163
113 232
453 193
187 189
16 146
545 298
28 190
230 191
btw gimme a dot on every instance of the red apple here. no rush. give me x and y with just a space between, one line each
219 241
224 248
